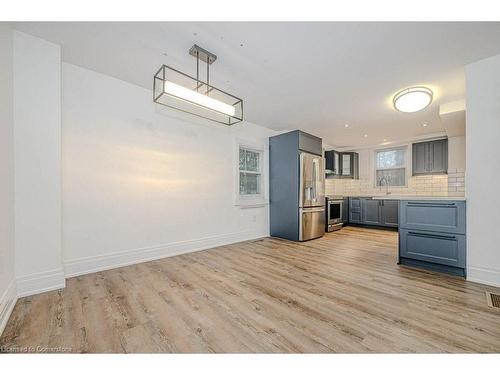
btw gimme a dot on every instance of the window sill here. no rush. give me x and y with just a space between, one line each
251 203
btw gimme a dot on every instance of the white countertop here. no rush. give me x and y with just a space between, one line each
418 197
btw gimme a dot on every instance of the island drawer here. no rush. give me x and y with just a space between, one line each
433 247
433 215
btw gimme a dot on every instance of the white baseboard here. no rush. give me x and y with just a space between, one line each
7 302
118 259
40 282
488 276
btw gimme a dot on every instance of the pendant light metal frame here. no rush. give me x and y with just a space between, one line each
164 74
409 90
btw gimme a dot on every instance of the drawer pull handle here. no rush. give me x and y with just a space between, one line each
437 236
419 204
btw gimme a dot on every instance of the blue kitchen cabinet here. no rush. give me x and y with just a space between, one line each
389 213
370 209
433 215
376 212
355 210
432 235
430 157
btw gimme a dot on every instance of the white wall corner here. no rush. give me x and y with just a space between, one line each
37 157
488 276
40 282
482 160
7 302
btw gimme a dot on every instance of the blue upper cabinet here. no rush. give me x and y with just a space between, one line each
349 165
332 163
341 164
430 157
309 143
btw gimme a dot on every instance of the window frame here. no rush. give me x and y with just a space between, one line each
404 167
250 200
247 171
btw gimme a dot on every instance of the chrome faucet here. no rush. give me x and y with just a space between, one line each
387 181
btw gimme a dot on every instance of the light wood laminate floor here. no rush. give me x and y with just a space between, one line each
341 293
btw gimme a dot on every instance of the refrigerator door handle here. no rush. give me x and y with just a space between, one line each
312 209
315 179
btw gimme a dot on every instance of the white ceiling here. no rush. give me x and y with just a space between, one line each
313 76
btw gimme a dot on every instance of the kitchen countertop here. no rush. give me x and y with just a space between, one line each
418 197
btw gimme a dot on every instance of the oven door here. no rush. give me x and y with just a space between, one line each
335 212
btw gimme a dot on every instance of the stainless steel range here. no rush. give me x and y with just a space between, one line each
335 213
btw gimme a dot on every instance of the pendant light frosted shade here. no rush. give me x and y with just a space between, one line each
180 91
412 99
197 98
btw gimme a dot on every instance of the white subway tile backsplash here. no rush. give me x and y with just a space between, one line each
452 184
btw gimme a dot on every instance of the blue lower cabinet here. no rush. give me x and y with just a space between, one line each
370 211
373 212
442 216
433 248
355 211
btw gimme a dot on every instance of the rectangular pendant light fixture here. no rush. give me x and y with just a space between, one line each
196 98
178 90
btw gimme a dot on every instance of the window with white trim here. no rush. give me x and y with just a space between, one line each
390 167
250 172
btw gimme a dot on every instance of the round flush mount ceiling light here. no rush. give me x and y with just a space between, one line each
412 99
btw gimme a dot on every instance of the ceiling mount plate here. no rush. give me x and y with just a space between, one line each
202 54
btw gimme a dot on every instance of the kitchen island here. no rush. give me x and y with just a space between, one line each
431 228
432 234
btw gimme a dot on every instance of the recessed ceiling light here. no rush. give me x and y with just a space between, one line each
346 125
424 125
366 136
385 140
412 99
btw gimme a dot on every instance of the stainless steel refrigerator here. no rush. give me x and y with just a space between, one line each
311 196
297 185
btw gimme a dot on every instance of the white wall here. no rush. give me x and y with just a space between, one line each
483 179
456 152
7 267
143 182
37 144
